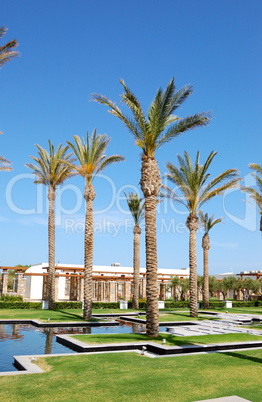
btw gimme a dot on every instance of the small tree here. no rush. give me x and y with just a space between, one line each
200 284
184 288
176 284
226 284
213 284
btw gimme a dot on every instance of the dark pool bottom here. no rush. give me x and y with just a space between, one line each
25 339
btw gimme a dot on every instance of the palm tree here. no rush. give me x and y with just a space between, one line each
150 133
137 209
52 168
207 223
92 160
195 191
7 51
254 194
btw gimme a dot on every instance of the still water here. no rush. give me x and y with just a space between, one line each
25 339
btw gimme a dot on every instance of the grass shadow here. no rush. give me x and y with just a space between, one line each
79 318
243 357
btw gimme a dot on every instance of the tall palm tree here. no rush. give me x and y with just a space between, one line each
92 160
191 180
159 127
207 223
256 195
52 168
7 51
137 208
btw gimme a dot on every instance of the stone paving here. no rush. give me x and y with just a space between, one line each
227 324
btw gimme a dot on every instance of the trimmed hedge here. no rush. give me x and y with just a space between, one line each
20 305
250 303
11 303
11 298
177 304
78 305
213 304
58 305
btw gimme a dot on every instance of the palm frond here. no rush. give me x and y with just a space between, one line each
54 167
254 195
208 222
109 161
161 125
191 181
91 155
136 206
7 51
114 109
183 125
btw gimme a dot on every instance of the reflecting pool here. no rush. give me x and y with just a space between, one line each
25 339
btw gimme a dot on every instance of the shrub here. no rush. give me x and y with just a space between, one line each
177 304
11 298
20 305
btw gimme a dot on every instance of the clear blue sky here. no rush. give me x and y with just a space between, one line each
72 49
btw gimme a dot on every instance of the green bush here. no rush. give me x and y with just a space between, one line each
249 303
78 304
177 304
58 305
213 304
20 305
11 298
63 305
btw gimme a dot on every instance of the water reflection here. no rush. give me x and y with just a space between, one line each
25 339
10 332
49 339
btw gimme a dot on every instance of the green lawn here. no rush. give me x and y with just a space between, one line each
77 315
239 310
179 316
171 340
57 315
130 377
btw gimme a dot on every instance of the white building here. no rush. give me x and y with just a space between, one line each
109 282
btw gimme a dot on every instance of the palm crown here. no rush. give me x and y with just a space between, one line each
161 125
254 194
208 222
136 206
52 168
192 181
91 155
6 52
5 164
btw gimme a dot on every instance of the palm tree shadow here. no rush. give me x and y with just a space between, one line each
67 314
243 356
79 317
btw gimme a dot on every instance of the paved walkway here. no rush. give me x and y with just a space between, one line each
226 399
228 324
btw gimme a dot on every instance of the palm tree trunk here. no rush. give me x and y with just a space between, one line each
150 185
192 224
89 246
206 247
51 247
136 264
